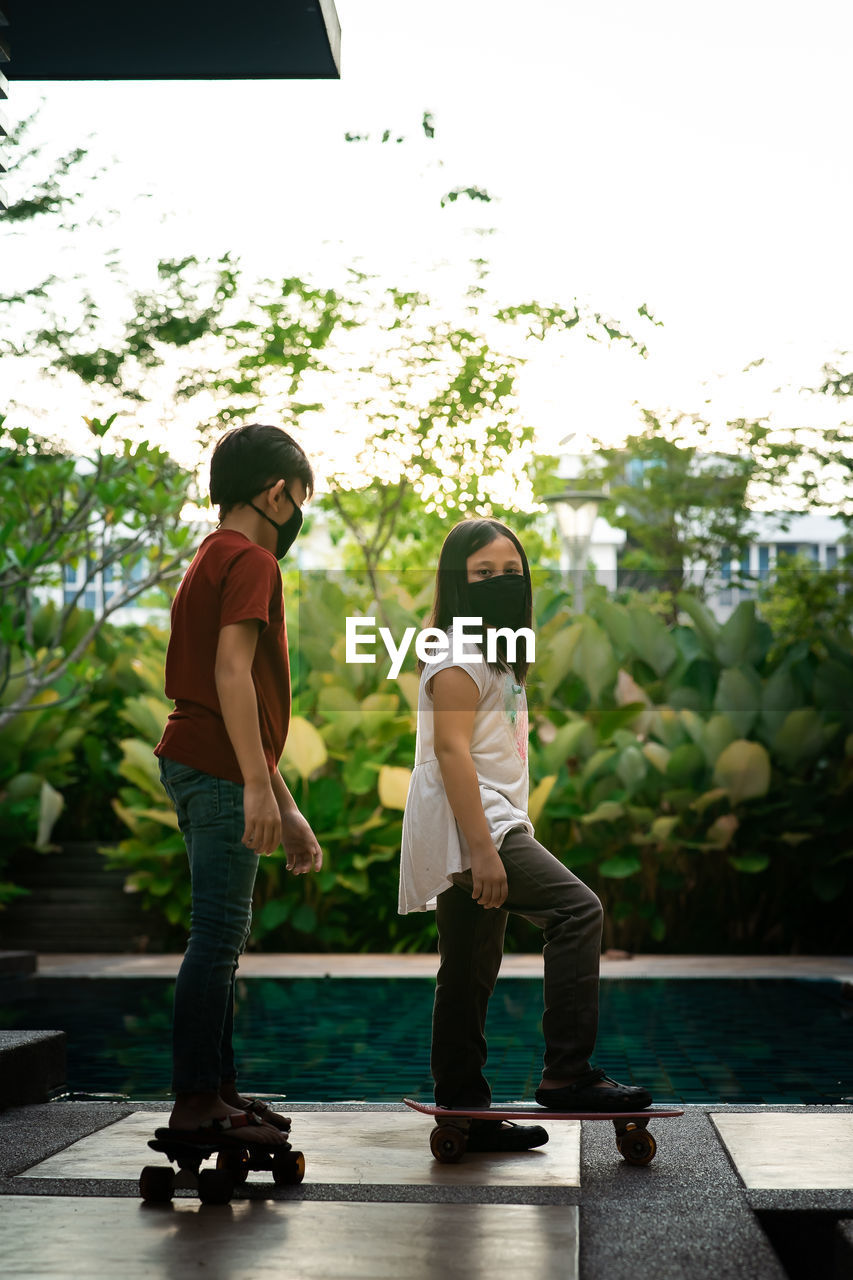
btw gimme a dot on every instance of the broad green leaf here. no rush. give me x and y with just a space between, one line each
607 811
632 767
667 726
706 626
619 868
593 659
778 697
556 662
651 640
598 763
739 697
719 732
751 864
736 642
743 769
377 709
617 622
686 763
577 738
662 828
800 737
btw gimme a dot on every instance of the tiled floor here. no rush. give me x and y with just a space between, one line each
359 1147
46 1236
790 1151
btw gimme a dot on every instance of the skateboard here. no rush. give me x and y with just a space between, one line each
158 1183
449 1138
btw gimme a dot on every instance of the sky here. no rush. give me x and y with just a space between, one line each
689 157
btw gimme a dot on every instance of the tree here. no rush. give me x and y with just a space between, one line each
687 504
118 512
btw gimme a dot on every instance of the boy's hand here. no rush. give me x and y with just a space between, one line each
300 843
262 832
489 876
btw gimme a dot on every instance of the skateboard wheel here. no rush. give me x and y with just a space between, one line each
236 1162
288 1168
215 1186
157 1184
447 1143
637 1146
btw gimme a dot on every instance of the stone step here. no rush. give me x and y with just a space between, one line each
32 1066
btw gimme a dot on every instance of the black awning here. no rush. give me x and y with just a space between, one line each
170 39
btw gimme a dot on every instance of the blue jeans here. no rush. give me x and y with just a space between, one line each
222 871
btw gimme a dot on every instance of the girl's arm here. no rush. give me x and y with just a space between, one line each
454 697
235 654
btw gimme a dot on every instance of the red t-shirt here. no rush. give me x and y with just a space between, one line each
231 579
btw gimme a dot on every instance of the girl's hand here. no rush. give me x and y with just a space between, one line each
489 876
262 832
300 843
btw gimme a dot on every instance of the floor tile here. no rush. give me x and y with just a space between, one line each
364 1147
42 1237
786 1151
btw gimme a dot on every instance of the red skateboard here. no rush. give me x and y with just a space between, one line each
449 1138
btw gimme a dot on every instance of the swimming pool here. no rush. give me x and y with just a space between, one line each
335 1039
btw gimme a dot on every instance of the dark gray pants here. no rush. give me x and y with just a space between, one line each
470 945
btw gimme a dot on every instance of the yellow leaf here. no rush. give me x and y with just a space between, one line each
409 683
720 832
656 755
744 770
393 786
304 750
541 792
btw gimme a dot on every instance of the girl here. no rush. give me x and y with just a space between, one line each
468 849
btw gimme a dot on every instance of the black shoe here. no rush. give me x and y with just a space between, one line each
594 1091
506 1135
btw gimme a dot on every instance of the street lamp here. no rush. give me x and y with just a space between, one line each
575 511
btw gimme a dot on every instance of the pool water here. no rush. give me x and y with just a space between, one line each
333 1039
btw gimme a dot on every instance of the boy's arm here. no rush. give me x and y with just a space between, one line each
235 653
454 698
300 843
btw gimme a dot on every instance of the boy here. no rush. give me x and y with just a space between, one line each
228 673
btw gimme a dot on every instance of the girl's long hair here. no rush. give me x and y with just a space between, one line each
452 595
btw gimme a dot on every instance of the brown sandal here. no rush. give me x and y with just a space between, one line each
266 1115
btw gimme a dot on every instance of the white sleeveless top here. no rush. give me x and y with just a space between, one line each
433 846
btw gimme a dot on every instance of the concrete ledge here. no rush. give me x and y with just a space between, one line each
32 1066
14 964
843 1259
515 965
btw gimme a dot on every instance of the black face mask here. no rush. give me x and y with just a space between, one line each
285 533
500 601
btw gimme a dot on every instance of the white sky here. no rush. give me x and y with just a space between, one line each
692 157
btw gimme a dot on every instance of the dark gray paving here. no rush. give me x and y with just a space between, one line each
686 1216
683 1217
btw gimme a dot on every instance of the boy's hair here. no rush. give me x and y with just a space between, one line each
452 589
249 459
